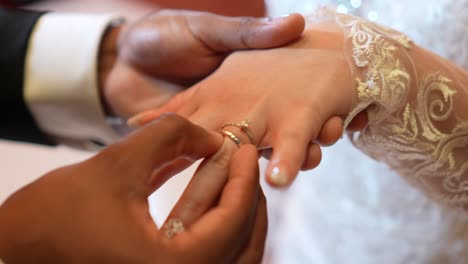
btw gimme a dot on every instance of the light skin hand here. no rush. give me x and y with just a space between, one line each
142 65
295 97
97 211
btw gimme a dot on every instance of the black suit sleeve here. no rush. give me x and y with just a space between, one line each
17 122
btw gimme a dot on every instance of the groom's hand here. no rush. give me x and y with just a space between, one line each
186 45
180 47
96 211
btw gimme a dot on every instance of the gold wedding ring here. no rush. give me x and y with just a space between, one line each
244 126
231 135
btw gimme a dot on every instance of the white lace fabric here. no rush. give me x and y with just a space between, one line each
352 209
417 104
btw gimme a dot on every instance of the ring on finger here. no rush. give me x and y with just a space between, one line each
244 126
232 136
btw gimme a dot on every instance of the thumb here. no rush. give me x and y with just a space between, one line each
166 139
224 34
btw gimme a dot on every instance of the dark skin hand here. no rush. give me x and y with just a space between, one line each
97 211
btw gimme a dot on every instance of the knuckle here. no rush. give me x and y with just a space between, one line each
305 112
222 159
247 22
290 135
165 13
193 206
247 30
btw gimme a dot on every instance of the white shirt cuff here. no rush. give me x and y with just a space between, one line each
61 82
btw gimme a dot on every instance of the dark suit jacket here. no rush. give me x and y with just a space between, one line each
17 122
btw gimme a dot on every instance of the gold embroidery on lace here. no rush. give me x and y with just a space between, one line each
405 129
385 80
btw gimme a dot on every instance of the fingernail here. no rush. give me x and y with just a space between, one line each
278 177
134 122
276 19
141 119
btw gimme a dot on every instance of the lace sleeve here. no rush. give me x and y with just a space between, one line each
417 105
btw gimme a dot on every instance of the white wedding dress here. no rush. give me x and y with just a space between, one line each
352 209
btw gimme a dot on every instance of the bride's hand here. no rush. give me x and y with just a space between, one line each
287 94
171 50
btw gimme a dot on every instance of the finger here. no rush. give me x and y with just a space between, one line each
226 228
162 175
245 33
312 160
358 123
331 131
253 253
313 157
205 187
179 104
205 117
166 139
289 149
